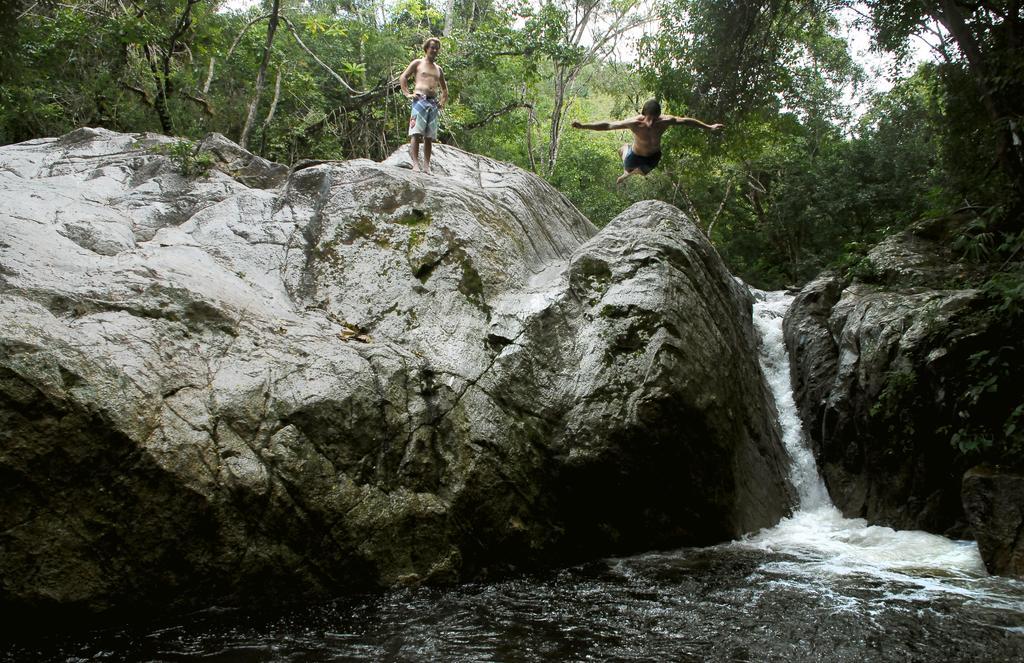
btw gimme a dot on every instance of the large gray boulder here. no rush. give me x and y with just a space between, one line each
352 376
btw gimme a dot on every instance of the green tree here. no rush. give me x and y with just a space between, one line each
101 62
988 57
774 72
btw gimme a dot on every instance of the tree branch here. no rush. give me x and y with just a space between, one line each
26 12
320 62
495 114
721 207
142 94
241 34
383 89
207 108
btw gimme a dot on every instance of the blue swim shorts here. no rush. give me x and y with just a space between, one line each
424 116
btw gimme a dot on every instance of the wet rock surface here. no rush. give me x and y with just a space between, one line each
994 503
878 366
352 376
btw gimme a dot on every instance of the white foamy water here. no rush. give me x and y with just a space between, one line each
769 310
828 545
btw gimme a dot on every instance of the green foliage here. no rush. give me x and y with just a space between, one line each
418 14
785 187
983 85
90 63
987 399
744 57
976 242
588 165
900 385
864 270
187 158
791 183
990 408
1005 291
494 83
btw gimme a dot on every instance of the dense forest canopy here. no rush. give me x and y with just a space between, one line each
796 183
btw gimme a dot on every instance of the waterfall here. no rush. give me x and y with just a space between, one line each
769 311
817 532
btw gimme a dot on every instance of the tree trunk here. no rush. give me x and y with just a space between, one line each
531 120
209 76
162 75
721 208
160 99
270 114
691 209
449 17
557 105
261 76
999 110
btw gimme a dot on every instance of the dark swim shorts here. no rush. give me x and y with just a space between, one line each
644 164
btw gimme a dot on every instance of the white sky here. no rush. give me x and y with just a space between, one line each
237 4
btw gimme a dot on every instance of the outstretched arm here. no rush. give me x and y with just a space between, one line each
694 122
608 125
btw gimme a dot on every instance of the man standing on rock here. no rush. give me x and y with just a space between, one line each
426 106
645 152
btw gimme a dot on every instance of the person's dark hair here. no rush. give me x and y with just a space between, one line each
651 108
426 44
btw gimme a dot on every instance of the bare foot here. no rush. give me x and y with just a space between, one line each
426 169
415 168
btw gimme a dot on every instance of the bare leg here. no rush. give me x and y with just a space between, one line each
428 144
622 178
414 152
625 173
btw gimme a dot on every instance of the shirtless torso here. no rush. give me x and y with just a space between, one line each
647 133
427 77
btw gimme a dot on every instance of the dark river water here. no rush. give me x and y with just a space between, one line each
817 587
735 602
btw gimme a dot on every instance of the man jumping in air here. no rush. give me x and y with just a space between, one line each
426 106
645 152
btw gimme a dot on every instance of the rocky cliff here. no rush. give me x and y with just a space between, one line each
345 376
893 368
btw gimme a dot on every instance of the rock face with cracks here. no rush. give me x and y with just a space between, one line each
351 376
880 364
864 372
